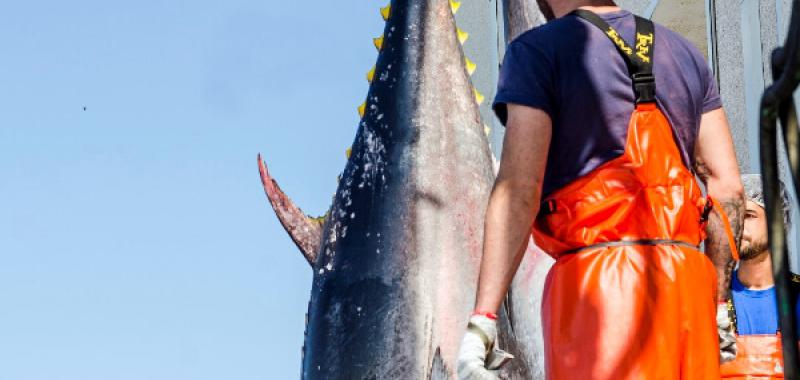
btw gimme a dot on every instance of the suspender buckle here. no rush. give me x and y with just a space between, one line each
548 207
709 206
644 86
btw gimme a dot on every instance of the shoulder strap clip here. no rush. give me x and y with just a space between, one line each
644 86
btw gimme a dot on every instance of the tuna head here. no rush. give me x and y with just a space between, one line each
397 259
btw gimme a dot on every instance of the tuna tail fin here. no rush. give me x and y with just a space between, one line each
305 231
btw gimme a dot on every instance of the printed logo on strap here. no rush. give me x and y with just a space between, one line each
621 44
643 44
638 61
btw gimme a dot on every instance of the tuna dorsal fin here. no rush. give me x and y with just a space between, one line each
305 231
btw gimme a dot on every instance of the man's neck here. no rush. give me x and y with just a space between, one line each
756 273
596 6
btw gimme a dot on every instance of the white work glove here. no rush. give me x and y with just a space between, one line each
727 338
478 357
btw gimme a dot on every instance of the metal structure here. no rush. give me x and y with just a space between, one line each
777 103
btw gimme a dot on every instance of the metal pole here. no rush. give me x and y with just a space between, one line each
777 102
712 38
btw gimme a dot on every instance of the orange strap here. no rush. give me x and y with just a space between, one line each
728 230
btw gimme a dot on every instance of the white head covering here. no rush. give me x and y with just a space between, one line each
754 191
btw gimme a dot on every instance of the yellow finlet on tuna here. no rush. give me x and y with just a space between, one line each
348 152
378 42
462 36
386 12
478 96
454 5
471 66
371 74
362 108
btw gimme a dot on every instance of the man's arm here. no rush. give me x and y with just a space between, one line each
717 167
514 202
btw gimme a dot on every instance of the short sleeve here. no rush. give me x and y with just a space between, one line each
711 100
526 78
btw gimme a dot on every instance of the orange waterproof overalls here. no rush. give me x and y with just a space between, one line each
630 295
758 357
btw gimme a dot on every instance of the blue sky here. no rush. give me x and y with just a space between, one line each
135 239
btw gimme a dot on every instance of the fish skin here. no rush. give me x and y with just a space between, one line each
524 308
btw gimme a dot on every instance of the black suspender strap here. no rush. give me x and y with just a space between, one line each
638 58
644 83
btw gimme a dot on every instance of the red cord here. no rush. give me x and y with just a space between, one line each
492 316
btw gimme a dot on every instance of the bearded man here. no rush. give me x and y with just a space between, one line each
753 290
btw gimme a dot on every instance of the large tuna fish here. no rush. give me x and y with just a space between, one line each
396 258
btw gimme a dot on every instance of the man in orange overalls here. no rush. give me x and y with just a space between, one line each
609 120
760 355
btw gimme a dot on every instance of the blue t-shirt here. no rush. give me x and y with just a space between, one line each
756 310
570 69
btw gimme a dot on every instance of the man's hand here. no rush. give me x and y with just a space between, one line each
727 338
478 357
